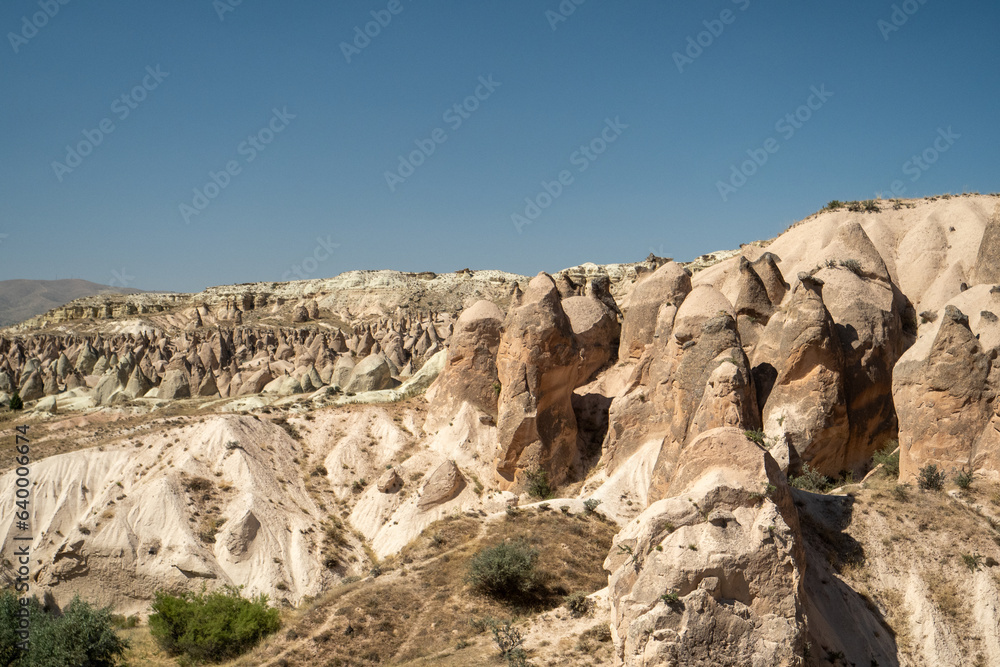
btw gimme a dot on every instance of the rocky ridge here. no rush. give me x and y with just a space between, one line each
686 402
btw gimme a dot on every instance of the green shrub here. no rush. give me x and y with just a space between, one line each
964 480
211 627
866 206
834 205
506 571
930 478
811 480
578 604
82 635
755 436
122 621
852 265
972 561
15 402
590 504
672 599
538 484
888 458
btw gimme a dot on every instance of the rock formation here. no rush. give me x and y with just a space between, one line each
540 361
712 574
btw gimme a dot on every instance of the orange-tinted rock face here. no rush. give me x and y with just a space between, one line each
940 399
540 361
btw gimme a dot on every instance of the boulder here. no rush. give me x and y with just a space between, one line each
372 374
342 371
138 384
111 386
390 481
444 484
682 386
240 535
255 383
596 330
86 360
987 266
207 386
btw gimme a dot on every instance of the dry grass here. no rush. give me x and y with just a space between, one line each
919 538
144 651
420 612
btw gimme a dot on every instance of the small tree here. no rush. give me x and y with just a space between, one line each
505 571
811 480
888 458
538 484
82 635
15 402
930 478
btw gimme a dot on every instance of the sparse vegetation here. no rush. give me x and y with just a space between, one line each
930 478
964 480
852 265
538 484
590 504
506 571
208 529
765 492
866 206
672 599
755 436
811 480
509 641
578 604
888 458
972 561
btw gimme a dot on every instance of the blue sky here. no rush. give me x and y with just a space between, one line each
271 81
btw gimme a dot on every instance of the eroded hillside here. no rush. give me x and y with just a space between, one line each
347 448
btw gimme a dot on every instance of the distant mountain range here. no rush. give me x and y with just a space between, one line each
22 299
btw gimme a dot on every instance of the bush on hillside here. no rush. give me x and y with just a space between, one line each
211 627
538 484
930 478
811 480
506 571
82 635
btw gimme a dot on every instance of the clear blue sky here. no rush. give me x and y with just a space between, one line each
116 216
